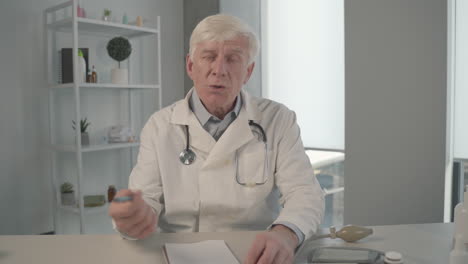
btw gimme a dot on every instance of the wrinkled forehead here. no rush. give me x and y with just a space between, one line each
238 45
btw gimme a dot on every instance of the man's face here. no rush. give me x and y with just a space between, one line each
219 69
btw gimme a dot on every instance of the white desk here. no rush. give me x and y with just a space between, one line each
419 244
425 244
321 158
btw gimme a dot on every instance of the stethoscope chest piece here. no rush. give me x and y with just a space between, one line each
187 156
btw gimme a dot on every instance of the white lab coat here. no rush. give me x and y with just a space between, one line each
205 196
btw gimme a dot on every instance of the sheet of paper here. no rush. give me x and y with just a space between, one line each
205 252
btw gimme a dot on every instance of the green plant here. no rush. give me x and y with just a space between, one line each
84 124
119 48
107 12
66 187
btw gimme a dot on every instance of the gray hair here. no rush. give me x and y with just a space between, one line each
224 27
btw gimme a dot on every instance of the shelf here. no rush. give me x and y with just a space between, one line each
92 148
86 210
102 28
125 101
106 85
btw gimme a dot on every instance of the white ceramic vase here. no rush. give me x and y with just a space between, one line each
119 76
68 198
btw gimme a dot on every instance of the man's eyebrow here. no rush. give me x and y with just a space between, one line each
208 51
238 50
235 51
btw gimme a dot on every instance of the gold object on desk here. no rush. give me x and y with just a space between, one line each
350 233
94 200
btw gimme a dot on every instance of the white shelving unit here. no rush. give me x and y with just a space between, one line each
62 22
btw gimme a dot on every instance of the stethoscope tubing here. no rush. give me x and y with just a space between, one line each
187 156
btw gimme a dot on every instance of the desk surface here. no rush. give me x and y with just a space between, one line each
322 158
422 243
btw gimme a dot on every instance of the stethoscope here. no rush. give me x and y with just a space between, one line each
187 156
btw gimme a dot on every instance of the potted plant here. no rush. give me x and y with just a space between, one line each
84 124
67 194
119 49
106 15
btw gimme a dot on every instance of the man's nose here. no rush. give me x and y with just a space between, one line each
219 67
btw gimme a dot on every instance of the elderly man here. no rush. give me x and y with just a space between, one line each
222 160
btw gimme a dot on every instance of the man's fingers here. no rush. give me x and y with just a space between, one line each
270 253
116 210
124 192
145 232
281 257
144 222
256 250
121 210
150 228
270 248
136 221
137 195
133 217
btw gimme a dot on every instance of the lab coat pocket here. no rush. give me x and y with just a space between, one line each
252 164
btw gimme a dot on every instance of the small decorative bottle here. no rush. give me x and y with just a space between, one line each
79 9
81 67
89 77
125 19
139 21
94 75
111 191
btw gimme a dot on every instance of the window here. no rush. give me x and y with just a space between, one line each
303 68
459 81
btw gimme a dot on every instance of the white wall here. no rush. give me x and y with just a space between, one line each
395 105
25 192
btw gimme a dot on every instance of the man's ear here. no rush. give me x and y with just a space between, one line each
249 72
188 65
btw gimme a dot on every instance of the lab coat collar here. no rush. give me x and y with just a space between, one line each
251 107
182 113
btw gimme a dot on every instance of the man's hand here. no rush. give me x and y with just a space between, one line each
135 218
273 247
